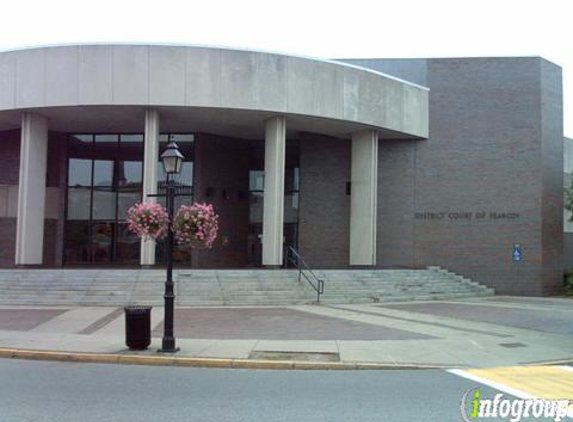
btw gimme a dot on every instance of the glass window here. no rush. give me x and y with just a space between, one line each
106 139
125 199
82 138
185 177
76 249
296 183
182 200
138 137
79 172
105 146
80 146
292 179
128 244
256 180
102 242
179 200
177 137
103 173
160 174
79 203
182 137
132 151
181 253
257 156
254 245
129 173
256 207
291 207
103 204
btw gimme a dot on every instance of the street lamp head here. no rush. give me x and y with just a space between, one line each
172 159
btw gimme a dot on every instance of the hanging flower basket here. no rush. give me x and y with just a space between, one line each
149 220
196 225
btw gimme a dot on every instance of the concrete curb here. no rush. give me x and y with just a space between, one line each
567 361
161 360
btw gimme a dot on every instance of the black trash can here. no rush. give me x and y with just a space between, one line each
138 327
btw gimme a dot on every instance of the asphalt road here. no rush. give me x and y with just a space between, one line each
68 392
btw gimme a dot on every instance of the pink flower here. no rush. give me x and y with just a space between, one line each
148 220
196 225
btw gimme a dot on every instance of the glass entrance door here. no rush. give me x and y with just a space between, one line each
104 180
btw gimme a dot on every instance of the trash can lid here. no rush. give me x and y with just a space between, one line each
137 309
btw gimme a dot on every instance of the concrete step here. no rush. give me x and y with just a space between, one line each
228 287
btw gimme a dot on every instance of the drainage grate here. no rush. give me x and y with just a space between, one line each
296 356
512 345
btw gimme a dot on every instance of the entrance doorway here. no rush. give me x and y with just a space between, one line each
105 178
105 175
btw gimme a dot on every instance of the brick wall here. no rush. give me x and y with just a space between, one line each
324 215
552 171
222 179
396 205
495 147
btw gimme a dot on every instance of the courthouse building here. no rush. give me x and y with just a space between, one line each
376 163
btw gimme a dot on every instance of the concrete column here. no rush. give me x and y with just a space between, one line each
273 207
363 198
32 189
150 159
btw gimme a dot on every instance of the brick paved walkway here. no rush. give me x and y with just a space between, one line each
26 319
466 332
276 324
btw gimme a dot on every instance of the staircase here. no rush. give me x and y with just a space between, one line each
364 286
228 287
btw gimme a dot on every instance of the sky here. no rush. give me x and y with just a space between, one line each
323 29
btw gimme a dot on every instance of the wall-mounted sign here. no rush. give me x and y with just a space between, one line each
517 253
467 215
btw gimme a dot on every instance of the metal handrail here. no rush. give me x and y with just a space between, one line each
291 255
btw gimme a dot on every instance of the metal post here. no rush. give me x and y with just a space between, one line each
168 343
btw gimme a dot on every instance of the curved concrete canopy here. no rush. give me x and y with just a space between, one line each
204 89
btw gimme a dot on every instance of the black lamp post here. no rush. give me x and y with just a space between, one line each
172 158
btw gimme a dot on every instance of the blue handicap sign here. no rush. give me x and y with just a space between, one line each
517 253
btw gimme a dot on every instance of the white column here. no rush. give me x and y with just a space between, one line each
32 189
363 198
150 159
273 207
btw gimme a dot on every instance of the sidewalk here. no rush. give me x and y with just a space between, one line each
496 331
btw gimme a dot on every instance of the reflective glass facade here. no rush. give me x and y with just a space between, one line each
105 178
